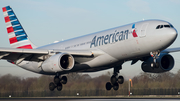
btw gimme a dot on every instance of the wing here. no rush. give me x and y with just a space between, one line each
169 50
19 55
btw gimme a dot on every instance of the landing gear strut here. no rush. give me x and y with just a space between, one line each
58 81
155 55
115 80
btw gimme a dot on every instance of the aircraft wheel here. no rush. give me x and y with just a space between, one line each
116 86
113 79
51 86
108 86
64 80
59 86
56 80
120 79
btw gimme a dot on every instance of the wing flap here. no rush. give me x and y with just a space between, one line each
3 55
19 55
26 51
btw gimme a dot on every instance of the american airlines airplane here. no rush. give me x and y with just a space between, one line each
144 40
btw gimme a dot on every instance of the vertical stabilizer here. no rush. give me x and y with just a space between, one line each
17 36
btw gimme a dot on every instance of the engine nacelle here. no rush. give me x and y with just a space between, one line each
58 62
165 62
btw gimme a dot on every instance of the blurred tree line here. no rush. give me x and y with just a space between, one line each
145 83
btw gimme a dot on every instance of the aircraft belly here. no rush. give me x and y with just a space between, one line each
101 61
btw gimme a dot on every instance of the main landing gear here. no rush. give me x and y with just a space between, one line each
115 80
58 81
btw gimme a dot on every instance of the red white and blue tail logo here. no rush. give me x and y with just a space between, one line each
17 36
134 31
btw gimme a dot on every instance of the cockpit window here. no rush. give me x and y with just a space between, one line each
161 26
158 27
164 26
167 26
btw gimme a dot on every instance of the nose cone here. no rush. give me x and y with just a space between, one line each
168 37
173 34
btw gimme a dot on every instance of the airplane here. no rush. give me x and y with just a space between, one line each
146 40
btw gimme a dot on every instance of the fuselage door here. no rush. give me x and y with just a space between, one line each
143 30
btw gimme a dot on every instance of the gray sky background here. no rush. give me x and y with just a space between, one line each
46 21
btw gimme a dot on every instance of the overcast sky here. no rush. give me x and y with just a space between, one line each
46 21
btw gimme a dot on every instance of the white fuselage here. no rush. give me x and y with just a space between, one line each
113 46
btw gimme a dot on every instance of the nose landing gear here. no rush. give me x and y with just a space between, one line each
155 55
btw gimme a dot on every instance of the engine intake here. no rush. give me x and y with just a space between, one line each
58 62
165 62
66 61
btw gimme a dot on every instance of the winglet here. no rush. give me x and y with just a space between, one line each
17 35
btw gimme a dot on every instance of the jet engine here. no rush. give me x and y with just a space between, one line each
164 63
58 62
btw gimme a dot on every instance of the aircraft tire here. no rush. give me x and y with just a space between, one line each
56 80
113 79
51 86
59 86
108 86
64 80
120 79
116 86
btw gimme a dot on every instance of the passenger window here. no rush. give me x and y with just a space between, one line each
167 26
158 27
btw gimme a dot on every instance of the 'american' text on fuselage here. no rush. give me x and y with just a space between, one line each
114 37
